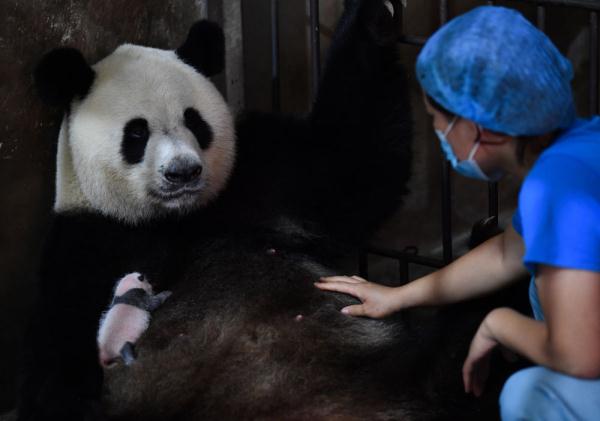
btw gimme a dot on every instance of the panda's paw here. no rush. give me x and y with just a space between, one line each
383 20
390 7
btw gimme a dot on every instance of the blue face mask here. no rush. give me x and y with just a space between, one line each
468 167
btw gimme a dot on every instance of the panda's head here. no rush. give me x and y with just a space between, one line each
145 132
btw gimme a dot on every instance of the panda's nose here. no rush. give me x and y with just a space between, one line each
183 172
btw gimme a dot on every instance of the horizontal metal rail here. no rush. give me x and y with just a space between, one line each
412 40
582 4
407 256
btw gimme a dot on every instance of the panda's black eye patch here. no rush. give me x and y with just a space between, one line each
198 126
135 138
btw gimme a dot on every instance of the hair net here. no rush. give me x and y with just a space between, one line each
495 68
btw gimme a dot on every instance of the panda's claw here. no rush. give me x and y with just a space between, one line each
383 20
128 353
389 6
158 299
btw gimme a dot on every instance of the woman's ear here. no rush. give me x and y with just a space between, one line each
490 137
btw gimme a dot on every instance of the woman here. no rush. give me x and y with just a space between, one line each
499 93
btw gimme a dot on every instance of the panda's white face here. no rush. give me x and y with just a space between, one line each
153 136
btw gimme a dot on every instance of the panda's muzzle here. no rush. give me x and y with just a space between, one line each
181 179
181 173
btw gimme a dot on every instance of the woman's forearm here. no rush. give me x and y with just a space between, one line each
489 267
531 339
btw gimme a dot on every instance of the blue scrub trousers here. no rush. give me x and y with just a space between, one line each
537 393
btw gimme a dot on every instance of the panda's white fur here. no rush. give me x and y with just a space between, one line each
140 82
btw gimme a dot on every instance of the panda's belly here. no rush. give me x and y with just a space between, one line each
252 315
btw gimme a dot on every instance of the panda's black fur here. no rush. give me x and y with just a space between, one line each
229 343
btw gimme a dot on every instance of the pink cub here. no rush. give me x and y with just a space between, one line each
127 318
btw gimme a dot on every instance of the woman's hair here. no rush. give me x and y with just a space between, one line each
530 145
436 106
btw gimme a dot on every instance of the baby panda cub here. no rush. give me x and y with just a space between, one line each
127 318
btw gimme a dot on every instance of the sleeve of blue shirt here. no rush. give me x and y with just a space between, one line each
559 214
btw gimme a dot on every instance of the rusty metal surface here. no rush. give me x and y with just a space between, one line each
28 130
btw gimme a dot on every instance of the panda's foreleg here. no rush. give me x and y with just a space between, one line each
62 379
361 123
128 353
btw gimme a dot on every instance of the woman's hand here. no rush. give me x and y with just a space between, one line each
378 301
477 364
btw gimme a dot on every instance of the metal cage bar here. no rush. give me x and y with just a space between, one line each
446 177
275 78
541 17
315 46
594 37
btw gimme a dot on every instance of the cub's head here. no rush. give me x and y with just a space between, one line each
145 132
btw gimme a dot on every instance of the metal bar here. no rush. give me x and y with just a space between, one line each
583 4
446 188
275 77
541 18
493 200
315 46
443 11
408 257
363 264
403 271
594 39
446 212
412 40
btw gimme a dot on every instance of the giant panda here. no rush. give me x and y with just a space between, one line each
237 219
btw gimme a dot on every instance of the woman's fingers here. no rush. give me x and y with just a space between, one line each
338 286
349 279
354 310
466 373
375 298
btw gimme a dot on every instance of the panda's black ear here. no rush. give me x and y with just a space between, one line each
204 48
61 75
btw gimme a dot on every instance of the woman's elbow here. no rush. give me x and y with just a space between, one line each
585 367
587 372
581 361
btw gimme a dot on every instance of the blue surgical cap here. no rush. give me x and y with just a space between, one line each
495 68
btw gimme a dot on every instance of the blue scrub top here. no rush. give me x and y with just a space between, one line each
558 214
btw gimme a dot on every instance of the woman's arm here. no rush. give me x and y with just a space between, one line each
489 267
568 341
